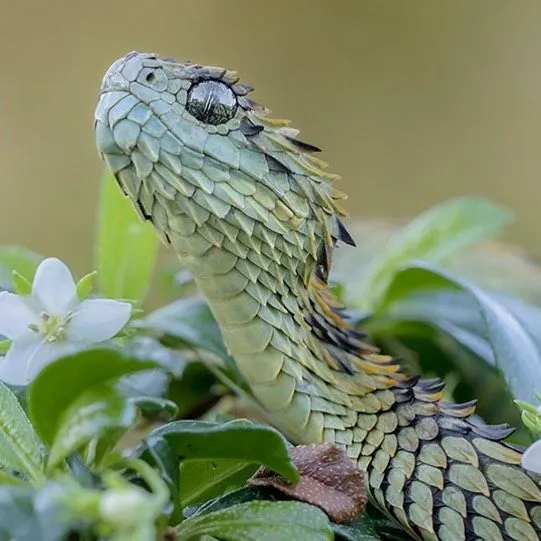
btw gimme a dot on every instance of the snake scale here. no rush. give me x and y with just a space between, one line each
253 215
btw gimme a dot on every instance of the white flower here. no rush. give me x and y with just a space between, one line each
53 322
127 508
531 459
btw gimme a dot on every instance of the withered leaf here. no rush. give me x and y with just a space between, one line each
329 480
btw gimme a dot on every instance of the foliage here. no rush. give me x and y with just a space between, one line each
143 438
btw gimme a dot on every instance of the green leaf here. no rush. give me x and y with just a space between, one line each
235 497
29 515
238 440
70 377
272 521
17 258
126 248
189 320
452 312
516 353
156 406
346 533
92 414
19 448
201 480
434 236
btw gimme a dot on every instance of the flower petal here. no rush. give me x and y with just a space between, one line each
97 320
15 316
14 366
28 356
53 286
531 459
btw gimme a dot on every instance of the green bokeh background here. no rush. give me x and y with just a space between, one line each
413 101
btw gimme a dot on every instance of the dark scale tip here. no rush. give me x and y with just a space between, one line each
459 407
343 233
494 432
323 262
302 146
242 89
144 213
275 165
248 128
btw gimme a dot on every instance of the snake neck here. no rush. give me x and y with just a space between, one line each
303 362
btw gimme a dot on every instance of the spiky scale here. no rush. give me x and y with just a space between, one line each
272 214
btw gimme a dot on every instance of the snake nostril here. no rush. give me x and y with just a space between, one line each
150 77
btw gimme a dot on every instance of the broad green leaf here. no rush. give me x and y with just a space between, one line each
434 236
515 351
238 440
346 533
452 312
201 480
189 320
235 497
126 248
149 348
369 528
60 383
272 521
196 389
33 515
19 447
17 258
93 413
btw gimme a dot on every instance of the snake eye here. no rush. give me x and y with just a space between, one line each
211 102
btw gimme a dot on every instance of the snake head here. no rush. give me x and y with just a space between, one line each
197 105
186 137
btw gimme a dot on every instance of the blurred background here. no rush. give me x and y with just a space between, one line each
413 102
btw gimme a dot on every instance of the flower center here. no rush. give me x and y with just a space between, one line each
53 328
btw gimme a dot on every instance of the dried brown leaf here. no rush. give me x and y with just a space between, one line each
329 480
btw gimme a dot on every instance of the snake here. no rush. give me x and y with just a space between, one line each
254 216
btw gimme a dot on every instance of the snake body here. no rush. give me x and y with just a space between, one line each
254 216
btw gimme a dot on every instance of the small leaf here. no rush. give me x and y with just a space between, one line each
21 285
515 351
70 377
328 479
239 440
93 413
19 449
434 236
126 248
17 258
272 521
153 406
86 284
